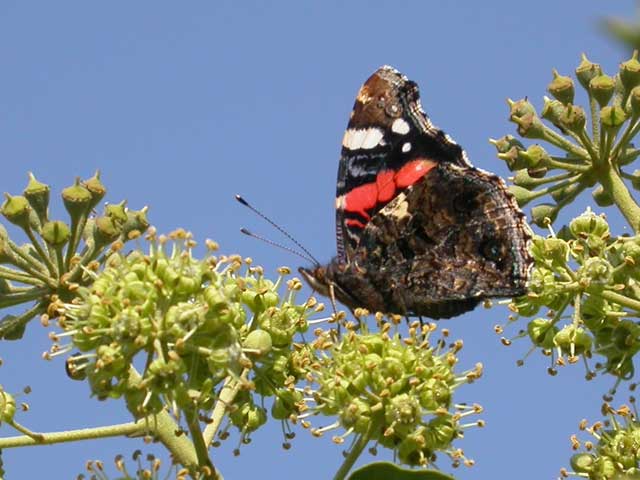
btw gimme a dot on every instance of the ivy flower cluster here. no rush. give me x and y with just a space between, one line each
395 391
59 256
596 147
585 268
613 452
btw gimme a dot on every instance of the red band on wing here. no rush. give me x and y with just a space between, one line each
387 183
413 171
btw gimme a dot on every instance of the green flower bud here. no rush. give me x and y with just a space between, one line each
626 336
634 101
630 72
506 143
582 462
612 118
573 118
513 159
602 197
96 188
529 126
523 196
544 214
524 180
601 88
117 212
553 111
561 87
16 209
538 172
588 224
586 71
136 224
542 332
556 250
573 340
595 270
534 156
520 108
259 340
37 194
105 231
7 407
56 233
77 200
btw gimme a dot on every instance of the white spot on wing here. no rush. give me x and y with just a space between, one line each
406 147
366 138
400 126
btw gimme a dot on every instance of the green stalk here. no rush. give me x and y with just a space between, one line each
10 299
612 183
595 118
631 131
228 393
43 255
356 449
561 142
617 298
557 163
16 276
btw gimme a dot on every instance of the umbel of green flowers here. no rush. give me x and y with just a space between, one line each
59 256
614 454
200 325
583 150
585 268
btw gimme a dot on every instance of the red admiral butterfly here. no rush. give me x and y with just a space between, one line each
420 231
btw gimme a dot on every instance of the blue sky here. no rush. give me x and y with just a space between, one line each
181 106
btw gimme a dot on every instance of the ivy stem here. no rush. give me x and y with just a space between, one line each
44 256
619 299
356 449
33 439
595 118
228 393
561 142
613 184
191 415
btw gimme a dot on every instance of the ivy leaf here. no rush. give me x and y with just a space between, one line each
390 471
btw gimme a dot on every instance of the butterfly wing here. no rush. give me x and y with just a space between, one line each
443 245
389 145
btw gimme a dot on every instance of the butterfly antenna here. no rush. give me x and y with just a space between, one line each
309 256
275 244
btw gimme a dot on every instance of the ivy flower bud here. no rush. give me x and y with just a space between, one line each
96 188
523 195
542 332
544 214
258 340
586 71
37 194
573 340
535 156
7 407
601 88
612 118
595 270
16 209
573 118
553 111
561 87
117 212
520 108
529 126
56 233
105 231
506 143
630 72
634 101
582 462
77 200
588 223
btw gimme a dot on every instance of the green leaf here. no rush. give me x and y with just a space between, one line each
390 471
